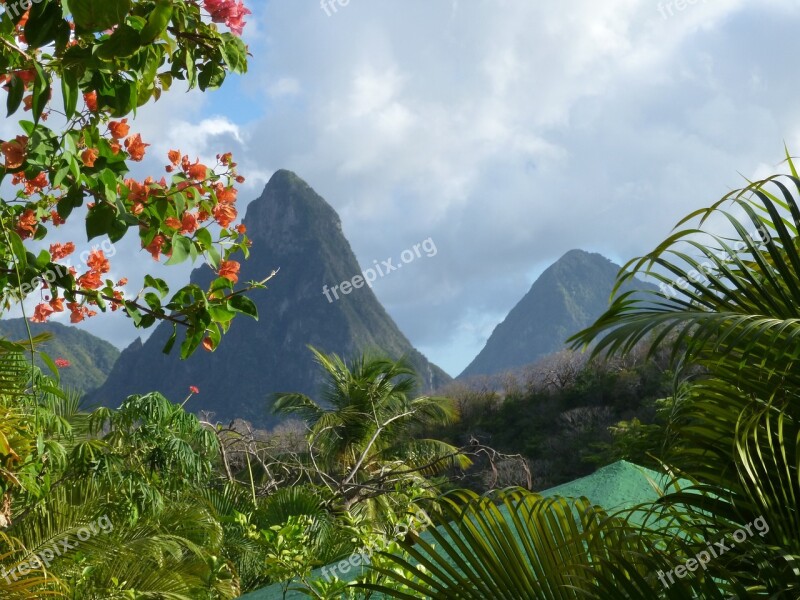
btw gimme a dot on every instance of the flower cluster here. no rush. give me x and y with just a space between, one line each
230 12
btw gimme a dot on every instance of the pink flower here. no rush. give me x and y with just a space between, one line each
193 389
62 362
230 12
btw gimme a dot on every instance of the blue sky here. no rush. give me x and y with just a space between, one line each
508 131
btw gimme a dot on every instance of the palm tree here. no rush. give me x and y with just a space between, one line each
362 433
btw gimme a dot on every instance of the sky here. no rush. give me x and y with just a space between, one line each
506 131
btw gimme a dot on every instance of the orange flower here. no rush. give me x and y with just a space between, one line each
241 228
97 261
117 301
89 156
14 152
224 214
59 251
115 147
77 312
174 157
154 247
229 269
226 195
197 171
172 223
189 223
208 344
57 304
41 313
119 129
193 389
123 281
90 280
62 362
36 184
91 101
135 147
27 225
57 220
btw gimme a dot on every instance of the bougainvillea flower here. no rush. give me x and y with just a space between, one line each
135 147
194 389
172 223
91 101
197 171
230 12
97 261
174 157
154 247
59 251
188 223
119 129
57 304
89 156
41 313
229 269
226 195
27 224
224 214
90 280
14 152
62 362
57 220
36 184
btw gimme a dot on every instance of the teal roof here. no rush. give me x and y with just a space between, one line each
614 487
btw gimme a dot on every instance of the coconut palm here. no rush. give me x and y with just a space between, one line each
362 432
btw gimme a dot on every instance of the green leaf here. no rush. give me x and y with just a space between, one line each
123 42
244 305
50 364
157 284
69 92
157 21
100 220
181 248
98 15
171 341
41 92
221 314
18 248
43 24
16 89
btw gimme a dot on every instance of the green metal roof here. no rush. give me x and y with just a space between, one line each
614 487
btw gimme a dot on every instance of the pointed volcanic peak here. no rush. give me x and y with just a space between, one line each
568 297
295 230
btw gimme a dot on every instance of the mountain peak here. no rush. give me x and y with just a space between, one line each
567 297
294 229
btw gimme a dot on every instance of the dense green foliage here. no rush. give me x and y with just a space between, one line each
558 413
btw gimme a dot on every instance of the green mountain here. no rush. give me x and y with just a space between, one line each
569 296
294 229
91 359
